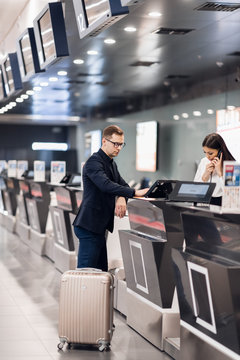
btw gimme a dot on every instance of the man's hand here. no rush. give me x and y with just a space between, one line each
120 207
141 192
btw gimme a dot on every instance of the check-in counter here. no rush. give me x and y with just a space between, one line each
37 208
23 223
152 308
207 276
10 202
66 245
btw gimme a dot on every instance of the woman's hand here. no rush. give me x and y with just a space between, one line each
208 171
218 165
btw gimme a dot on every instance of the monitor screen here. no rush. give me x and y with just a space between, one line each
161 189
146 146
93 16
192 191
95 10
26 51
76 179
2 92
47 40
9 76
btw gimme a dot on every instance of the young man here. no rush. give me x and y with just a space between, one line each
104 194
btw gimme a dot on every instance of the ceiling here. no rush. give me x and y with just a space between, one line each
140 65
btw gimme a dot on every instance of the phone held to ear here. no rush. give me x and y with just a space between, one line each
219 154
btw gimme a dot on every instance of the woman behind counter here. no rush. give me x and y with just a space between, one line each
210 168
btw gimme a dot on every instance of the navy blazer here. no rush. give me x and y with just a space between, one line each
101 184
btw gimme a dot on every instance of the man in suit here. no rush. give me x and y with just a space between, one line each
104 193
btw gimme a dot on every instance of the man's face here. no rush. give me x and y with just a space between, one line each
112 145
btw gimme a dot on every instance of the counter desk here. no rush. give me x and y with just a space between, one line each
207 275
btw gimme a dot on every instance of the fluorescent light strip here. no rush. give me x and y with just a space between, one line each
49 146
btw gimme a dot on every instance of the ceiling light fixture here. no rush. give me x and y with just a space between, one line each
30 92
53 79
197 113
37 88
130 29
78 61
185 115
92 52
24 96
44 84
62 73
110 41
154 14
176 117
19 100
210 111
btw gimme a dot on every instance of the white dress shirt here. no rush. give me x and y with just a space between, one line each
218 191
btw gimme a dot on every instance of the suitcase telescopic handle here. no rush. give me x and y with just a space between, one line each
89 269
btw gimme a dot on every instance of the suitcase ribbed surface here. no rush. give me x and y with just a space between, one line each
85 313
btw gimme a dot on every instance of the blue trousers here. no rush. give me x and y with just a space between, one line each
92 250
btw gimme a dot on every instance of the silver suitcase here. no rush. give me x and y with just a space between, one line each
86 308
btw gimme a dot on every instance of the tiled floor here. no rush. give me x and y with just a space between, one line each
29 290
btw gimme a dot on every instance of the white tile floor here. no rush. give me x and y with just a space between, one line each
29 290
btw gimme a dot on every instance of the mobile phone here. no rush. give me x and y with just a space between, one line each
219 154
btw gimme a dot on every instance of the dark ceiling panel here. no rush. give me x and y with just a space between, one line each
109 78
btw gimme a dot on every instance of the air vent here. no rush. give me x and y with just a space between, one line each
174 77
115 98
218 6
102 83
172 31
236 53
144 63
76 82
85 75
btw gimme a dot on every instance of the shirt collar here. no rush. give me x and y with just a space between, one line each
105 156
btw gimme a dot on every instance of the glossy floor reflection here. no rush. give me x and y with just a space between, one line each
29 290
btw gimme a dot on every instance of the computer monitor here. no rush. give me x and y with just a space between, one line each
50 34
196 192
27 54
11 74
94 16
161 189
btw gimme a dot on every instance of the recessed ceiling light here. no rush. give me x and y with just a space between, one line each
29 92
19 100
13 103
130 29
231 107
185 115
155 14
78 61
210 111
44 83
52 79
219 63
176 117
24 96
37 88
197 113
62 73
109 41
92 52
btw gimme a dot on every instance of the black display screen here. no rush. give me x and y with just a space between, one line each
26 52
47 39
9 75
95 10
192 191
1 84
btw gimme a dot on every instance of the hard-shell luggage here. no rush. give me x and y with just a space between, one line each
86 308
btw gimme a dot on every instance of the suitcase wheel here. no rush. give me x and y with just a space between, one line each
103 347
60 346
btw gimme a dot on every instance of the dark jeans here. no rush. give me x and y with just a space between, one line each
92 250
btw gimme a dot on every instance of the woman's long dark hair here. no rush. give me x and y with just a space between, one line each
215 141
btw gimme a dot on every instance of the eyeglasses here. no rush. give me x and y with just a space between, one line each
116 144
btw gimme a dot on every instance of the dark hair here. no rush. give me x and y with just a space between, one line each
215 141
112 129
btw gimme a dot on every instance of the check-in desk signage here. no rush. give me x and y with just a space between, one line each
38 205
207 275
24 187
21 199
147 218
66 198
